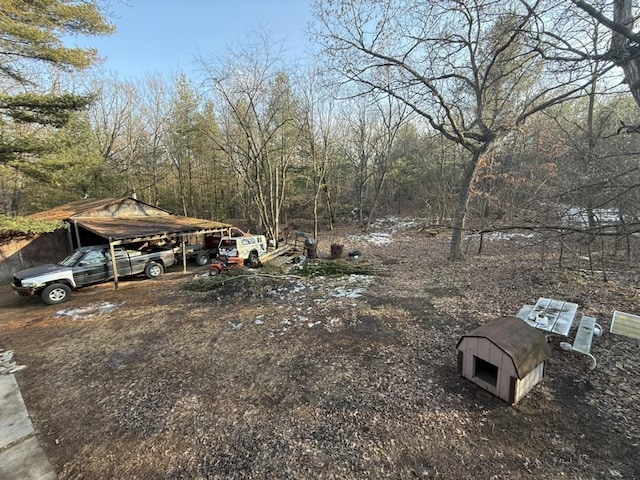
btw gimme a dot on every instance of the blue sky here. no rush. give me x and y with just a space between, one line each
165 36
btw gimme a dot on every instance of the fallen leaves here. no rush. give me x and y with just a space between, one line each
337 377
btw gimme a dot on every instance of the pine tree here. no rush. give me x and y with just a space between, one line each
31 41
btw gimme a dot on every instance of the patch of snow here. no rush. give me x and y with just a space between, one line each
377 238
362 279
343 292
576 215
395 224
385 228
89 310
295 321
500 236
7 366
302 299
361 283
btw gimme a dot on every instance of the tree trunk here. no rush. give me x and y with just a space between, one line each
624 54
327 196
460 212
15 202
376 199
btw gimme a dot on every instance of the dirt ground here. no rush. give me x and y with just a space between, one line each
354 377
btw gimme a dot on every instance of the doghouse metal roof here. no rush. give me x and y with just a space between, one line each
526 345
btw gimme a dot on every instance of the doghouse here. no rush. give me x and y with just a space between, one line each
505 357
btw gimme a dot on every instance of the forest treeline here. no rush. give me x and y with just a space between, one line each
469 114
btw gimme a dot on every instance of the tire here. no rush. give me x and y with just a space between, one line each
56 293
213 272
202 259
253 260
153 270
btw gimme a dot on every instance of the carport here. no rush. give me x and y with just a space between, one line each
126 221
122 231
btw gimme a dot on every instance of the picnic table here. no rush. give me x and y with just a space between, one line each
549 315
557 316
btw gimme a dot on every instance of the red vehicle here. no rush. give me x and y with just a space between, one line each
211 241
224 264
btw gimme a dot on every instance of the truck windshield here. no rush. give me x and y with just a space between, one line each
72 259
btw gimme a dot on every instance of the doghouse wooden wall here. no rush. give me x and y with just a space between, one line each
508 386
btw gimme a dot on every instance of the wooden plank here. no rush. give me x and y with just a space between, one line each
275 253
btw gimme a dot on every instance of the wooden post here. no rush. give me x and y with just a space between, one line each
112 250
184 254
75 225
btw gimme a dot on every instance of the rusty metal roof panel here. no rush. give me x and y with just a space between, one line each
128 218
125 228
526 345
105 207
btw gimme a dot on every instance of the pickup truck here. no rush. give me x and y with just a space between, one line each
194 252
86 266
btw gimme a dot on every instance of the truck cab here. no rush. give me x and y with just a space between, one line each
86 266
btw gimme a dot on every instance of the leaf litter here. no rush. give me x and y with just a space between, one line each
314 385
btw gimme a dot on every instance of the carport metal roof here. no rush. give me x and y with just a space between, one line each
101 207
128 220
121 230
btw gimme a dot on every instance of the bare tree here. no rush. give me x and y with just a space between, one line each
154 111
318 143
181 139
473 69
260 123
393 116
117 128
359 146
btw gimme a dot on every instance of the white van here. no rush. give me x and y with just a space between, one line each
250 248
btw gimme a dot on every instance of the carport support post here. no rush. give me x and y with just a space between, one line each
184 254
77 232
112 250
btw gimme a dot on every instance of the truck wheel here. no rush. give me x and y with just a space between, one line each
153 270
202 259
253 260
56 293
